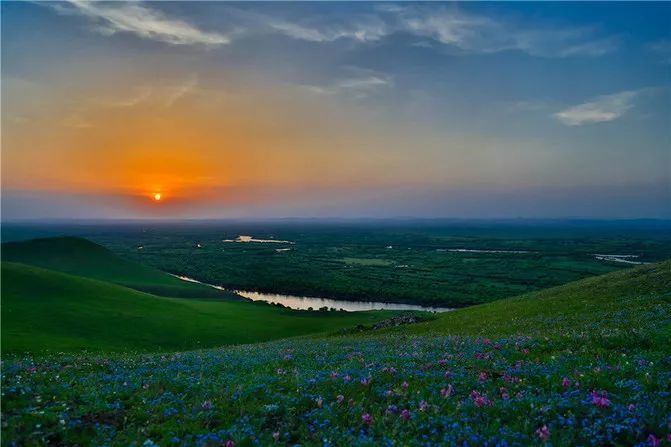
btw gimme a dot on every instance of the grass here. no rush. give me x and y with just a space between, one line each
47 310
616 303
583 379
82 257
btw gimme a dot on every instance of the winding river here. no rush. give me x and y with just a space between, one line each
304 302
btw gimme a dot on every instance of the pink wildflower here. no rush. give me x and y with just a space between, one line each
631 407
229 443
482 377
654 440
565 382
480 400
367 418
447 392
405 385
600 400
405 415
543 432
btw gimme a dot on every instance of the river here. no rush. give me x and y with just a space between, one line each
304 302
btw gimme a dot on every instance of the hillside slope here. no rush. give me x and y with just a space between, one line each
614 303
47 310
82 257
595 371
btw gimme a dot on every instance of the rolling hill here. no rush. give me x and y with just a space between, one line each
583 364
48 310
615 303
82 257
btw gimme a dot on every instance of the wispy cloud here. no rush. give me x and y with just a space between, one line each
474 33
180 90
599 110
140 95
359 83
363 31
111 18
661 49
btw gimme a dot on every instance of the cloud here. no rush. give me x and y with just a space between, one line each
661 49
179 91
599 110
363 31
112 18
360 83
140 95
473 33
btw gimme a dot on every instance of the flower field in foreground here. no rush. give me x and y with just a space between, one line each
343 391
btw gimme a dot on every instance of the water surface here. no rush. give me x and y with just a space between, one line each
304 302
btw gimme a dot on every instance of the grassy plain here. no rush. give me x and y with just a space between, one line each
401 261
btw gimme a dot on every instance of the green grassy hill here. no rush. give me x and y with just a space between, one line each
43 309
82 257
610 304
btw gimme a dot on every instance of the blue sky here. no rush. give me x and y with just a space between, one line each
336 109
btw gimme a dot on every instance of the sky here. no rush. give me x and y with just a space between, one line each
234 110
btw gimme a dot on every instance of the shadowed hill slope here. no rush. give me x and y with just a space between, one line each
82 257
43 309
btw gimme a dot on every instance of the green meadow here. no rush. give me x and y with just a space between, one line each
102 304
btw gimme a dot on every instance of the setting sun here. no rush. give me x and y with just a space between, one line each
157 196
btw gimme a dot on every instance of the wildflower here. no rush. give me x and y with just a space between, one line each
347 378
480 400
365 381
276 436
405 385
319 401
482 377
565 382
631 407
447 392
405 415
600 399
543 432
504 393
207 405
340 398
388 393
334 374
423 405
229 443
654 440
391 409
367 418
